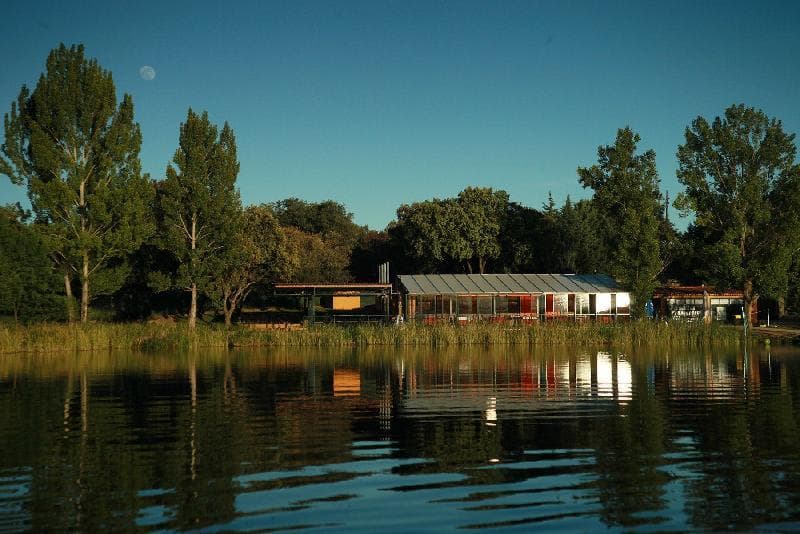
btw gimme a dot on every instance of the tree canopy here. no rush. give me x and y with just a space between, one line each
200 206
626 193
29 286
78 154
743 185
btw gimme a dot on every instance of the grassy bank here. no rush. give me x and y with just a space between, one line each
150 337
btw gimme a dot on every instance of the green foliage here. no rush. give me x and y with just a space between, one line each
371 249
78 153
29 287
462 231
312 259
329 219
743 185
626 194
256 256
200 207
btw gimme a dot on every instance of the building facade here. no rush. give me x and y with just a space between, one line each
515 297
700 303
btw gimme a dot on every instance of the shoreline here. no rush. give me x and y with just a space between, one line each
154 337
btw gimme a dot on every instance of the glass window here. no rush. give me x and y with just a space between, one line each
541 303
426 304
592 303
514 304
613 303
623 303
501 304
603 303
484 305
560 304
582 303
466 305
571 303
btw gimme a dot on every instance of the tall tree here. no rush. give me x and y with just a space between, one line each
200 206
626 192
743 185
78 153
257 256
484 212
425 232
462 231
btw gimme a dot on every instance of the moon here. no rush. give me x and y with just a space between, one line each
147 72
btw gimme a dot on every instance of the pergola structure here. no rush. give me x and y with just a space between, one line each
342 297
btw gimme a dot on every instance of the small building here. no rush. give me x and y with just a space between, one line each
700 303
520 297
344 302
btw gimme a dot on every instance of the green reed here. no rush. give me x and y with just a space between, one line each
154 337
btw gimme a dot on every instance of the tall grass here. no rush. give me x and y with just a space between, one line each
152 337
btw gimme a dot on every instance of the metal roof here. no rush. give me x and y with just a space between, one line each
444 284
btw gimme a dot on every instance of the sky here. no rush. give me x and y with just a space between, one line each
379 103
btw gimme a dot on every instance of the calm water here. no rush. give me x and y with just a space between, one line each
401 440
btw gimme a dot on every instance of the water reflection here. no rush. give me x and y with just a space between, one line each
361 439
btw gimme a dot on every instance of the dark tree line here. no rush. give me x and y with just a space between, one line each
185 244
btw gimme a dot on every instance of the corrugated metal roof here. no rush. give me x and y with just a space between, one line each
448 284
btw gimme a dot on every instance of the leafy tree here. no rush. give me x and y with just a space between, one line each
312 260
462 231
743 185
424 230
580 243
257 256
519 244
328 218
626 193
200 207
371 249
29 287
792 302
78 153
484 212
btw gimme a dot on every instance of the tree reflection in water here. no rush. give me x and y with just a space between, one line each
360 438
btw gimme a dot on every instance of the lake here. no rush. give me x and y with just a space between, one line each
399 439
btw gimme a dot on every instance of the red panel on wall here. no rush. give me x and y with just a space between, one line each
525 304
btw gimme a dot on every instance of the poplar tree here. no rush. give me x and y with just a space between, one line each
626 194
200 206
78 153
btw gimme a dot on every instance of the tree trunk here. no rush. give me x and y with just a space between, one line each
781 307
193 308
469 266
750 298
68 290
85 290
481 264
228 304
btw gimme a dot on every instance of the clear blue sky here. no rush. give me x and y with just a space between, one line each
374 104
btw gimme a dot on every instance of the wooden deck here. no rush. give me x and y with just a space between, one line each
778 333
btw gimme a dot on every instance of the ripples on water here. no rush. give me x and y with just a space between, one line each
399 441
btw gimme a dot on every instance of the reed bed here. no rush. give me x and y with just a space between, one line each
154 337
